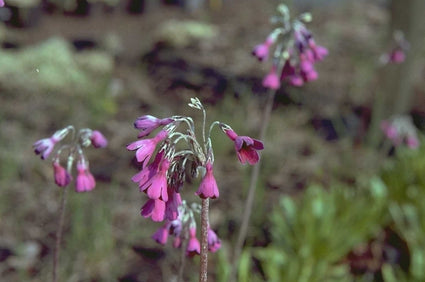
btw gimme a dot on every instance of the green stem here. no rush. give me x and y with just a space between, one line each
203 273
59 233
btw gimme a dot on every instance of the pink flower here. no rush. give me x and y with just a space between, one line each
208 187
287 71
171 206
154 209
319 52
214 243
62 177
149 171
310 75
246 147
148 123
412 142
193 247
156 186
161 235
98 140
1 3
261 51
296 80
271 80
44 147
397 56
85 180
391 132
145 148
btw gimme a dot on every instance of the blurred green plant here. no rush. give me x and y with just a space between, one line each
312 234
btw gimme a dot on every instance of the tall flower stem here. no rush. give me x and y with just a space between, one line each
252 187
203 273
56 253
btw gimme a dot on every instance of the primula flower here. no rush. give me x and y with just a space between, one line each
156 186
214 243
171 206
62 177
193 246
98 140
208 187
271 80
1 3
319 52
146 173
44 147
412 142
397 56
154 209
145 148
261 51
148 123
161 235
85 180
246 147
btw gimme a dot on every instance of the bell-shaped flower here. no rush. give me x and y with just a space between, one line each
156 186
155 209
61 175
208 187
149 171
161 235
246 147
271 80
193 246
85 180
148 123
261 51
98 140
44 147
171 206
146 147
214 243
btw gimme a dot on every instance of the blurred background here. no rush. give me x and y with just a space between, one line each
329 205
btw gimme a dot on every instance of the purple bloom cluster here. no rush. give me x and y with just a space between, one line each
294 58
166 163
85 137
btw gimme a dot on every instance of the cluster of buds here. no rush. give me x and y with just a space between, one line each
295 51
184 229
399 130
398 52
179 156
73 150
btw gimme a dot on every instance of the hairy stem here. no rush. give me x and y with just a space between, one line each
252 187
56 253
203 273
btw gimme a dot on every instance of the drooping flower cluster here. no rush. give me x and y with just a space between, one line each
178 155
183 228
295 51
399 130
72 150
397 55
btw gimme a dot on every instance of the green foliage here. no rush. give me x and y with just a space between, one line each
312 234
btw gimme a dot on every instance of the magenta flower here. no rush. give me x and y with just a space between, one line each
412 142
149 171
161 235
156 186
145 148
85 180
261 51
62 177
148 123
319 52
98 140
44 147
171 206
397 56
246 147
1 3
271 80
154 209
193 247
287 71
296 80
208 187
214 243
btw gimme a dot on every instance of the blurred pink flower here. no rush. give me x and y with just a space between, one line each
161 235
193 246
214 243
85 180
261 51
271 80
62 177
154 209
98 140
